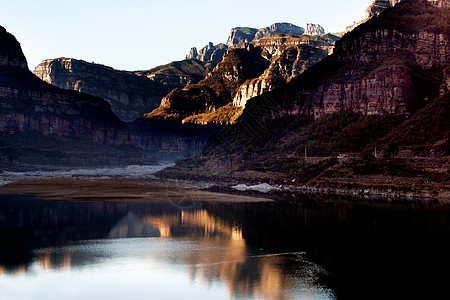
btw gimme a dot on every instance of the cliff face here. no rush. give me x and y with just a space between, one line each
445 85
130 95
240 35
389 69
247 70
11 55
217 89
289 57
210 52
314 29
29 104
394 65
378 6
279 28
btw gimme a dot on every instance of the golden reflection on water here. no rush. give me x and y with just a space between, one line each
49 259
222 254
208 224
230 265
44 260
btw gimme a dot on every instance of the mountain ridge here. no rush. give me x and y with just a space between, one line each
370 119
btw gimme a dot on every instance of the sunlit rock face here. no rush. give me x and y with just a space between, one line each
130 95
240 35
210 52
29 104
445 86
378 6
289 57
291 62
314 29
388 88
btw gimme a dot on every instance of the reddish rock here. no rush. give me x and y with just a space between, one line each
28 104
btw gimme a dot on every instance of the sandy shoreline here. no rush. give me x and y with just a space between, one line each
120 190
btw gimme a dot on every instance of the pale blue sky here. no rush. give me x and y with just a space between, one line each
139 34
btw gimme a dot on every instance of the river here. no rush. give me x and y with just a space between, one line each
313 248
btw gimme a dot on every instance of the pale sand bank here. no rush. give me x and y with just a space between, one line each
117 191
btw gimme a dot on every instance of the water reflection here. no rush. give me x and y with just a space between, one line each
324 249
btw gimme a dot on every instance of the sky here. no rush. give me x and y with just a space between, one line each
142 34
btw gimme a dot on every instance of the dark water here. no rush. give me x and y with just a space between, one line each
314 249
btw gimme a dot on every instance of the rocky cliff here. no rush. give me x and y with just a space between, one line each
289 57
210 52
241 35
246 71
378 6
28 104
393 65
217 89
130 93
314 29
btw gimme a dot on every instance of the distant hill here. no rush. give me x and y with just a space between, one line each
34 113
246 71
369 119
131 94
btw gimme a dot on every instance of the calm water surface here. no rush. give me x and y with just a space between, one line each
310 249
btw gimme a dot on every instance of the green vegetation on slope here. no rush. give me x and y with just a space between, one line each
193 67
224 115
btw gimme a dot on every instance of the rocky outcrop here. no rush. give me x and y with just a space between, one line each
279 28
28 104
241 35
11 55
378 6
386 80
208 53
130 95
288 61
217 89
247 70
445 85
390 65
314 29
374 9
439 3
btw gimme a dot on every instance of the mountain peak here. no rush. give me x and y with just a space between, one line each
11 54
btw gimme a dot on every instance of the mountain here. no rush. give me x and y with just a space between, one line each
32 111
246 71
131 94
372 117
210 52
393 64
240 35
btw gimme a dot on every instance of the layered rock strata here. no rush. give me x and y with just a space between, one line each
210 52
130 95
28 104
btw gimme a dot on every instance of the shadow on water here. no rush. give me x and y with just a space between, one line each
361 249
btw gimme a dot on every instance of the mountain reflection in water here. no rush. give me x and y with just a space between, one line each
324 249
